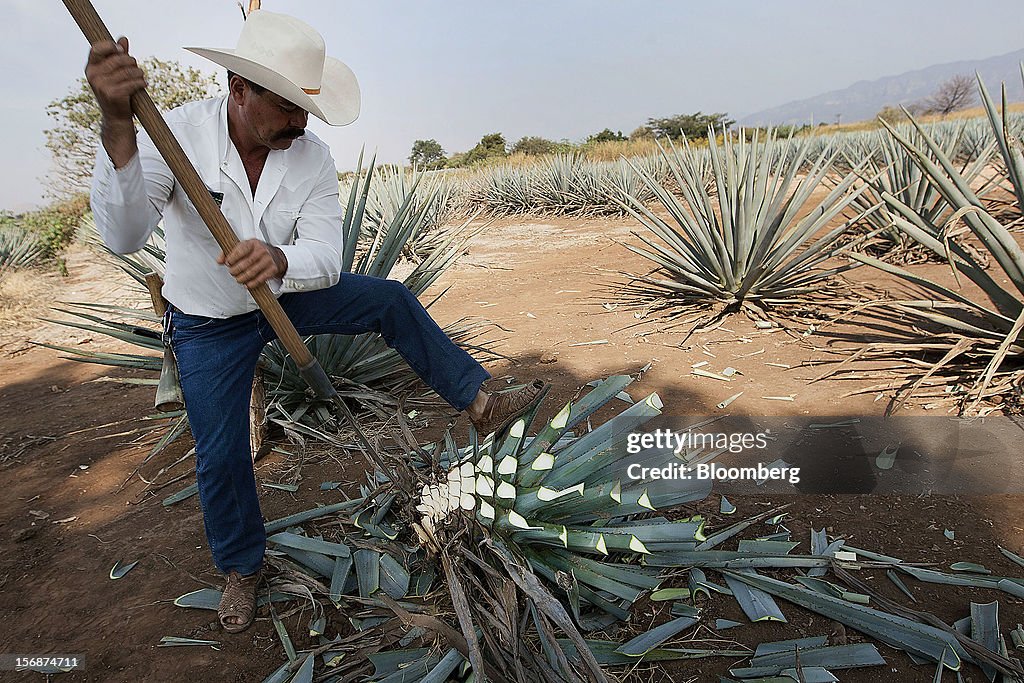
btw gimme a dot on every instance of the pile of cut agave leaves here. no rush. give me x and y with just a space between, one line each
514 559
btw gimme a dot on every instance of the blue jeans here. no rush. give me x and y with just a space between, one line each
217 359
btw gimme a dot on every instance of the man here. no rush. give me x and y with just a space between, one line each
278 188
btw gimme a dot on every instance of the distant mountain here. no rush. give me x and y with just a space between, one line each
864 99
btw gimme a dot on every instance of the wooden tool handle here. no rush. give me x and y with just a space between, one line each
155 285
149 116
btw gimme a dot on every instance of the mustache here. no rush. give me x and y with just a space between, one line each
291 133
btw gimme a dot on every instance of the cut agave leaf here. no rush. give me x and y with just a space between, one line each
119 570
810 674
887 457
282 634
310 544
444 668
1012 556
895 578
1017 637
181 495
969 567
725 507
670 594
367 571
305 672
174 641
339 576
788 645
606 653
724 624
394 578
306 515
699 584
209 598
681 609
835 657
829 588
756 604
765 547
985 630
645 642
899 632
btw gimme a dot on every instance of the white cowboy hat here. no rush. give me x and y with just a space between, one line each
287 57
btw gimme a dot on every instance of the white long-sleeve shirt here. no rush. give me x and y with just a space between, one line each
295 207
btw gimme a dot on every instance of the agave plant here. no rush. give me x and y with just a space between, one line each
389 190
527 540
1008 139
898 174
562 184
756 243
18 249
980 340
363 365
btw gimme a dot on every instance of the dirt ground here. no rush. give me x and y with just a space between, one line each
68 445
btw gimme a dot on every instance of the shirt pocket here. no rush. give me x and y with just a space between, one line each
280 222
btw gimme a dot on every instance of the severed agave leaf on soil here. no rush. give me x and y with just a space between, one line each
887 457
645 642
181 495
810 674
119 570
920 639
209 598
606 653
724 624
1012 556
174 641
985 630
774 646
666 594
756 604
1017 637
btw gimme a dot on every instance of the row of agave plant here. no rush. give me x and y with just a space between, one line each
759 243
572 185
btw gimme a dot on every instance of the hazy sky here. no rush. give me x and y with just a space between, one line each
455 70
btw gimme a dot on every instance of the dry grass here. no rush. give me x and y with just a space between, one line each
23 294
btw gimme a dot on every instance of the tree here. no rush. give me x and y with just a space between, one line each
607 135
491 146
689 125
76 117
891 115
953 95
534 146
427 154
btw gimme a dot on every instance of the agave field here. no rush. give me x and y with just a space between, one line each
449 555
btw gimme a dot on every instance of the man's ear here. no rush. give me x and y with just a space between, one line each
236 88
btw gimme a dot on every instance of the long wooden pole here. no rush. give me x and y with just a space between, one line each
149 116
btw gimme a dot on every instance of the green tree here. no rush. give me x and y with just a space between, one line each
491 146
689 125
73 139
607 135
534 146
427 154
